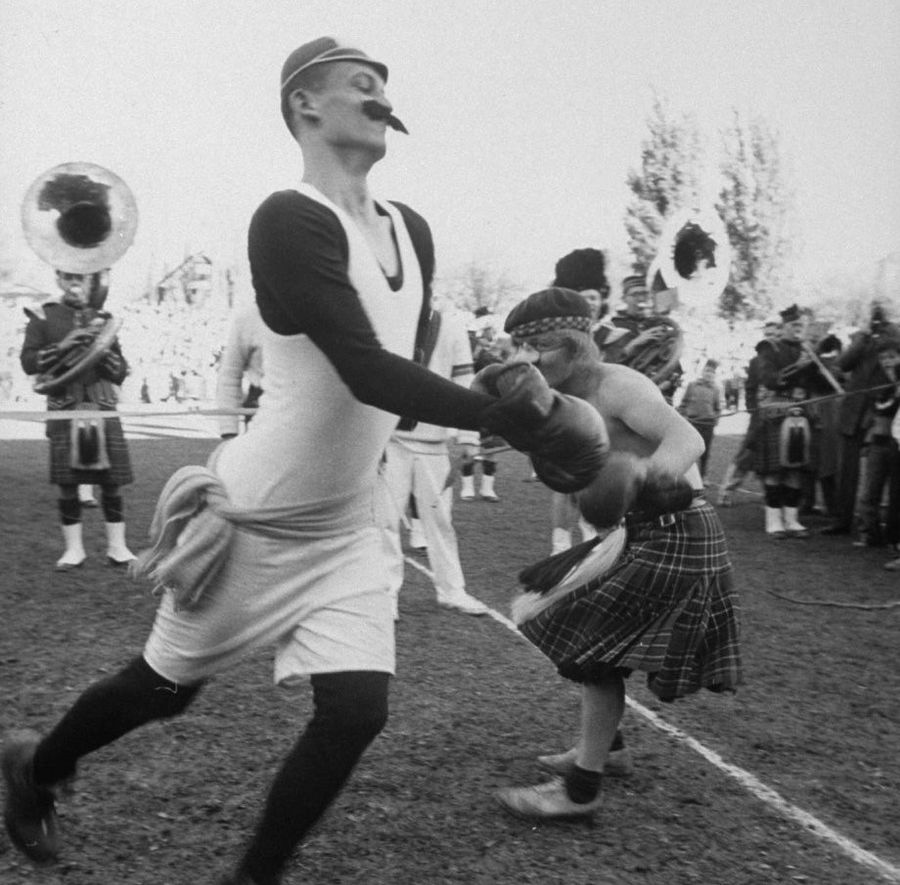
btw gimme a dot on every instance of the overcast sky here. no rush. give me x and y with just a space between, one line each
525 115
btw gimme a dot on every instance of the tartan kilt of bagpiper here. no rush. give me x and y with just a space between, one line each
769 445
668 607
119 472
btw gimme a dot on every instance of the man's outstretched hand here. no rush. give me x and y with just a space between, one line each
565 436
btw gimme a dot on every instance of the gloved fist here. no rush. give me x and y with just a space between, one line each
564 435
517 383
663 493
613 491
560 478
626 485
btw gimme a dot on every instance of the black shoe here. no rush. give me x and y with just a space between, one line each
30 810
836 530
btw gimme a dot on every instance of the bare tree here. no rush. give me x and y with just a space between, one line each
476 285
756 203
668 179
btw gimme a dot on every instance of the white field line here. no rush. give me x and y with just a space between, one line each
749 782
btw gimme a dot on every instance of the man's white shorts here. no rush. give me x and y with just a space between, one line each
323 604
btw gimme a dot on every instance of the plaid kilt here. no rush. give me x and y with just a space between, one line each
61 472
768 440
668 608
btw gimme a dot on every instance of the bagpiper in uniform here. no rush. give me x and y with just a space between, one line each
86 451
784 444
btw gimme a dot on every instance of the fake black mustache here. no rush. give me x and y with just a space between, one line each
375 110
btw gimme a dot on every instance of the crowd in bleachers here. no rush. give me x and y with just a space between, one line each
172 348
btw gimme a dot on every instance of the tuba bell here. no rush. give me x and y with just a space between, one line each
693 259
690 270
79 218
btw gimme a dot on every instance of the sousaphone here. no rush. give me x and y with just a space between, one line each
693 258
79 218
690 270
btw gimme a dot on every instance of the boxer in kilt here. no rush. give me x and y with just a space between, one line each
82 452
663 600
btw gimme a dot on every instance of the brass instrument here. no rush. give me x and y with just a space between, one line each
690 270
659 359
694 258
99 337
79 218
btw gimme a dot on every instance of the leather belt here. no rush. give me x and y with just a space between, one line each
663 519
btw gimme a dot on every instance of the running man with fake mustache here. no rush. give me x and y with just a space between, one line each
286 521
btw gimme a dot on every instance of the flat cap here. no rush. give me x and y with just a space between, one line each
548 310
323 50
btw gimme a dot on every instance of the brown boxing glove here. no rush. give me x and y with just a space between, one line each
613 491
625 485
516 382
564 435
663 493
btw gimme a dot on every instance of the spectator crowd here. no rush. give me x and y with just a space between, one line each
852 477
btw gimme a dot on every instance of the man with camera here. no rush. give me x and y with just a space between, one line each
860 363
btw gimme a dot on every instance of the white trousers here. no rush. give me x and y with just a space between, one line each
423 473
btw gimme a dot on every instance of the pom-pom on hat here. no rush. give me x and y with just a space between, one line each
582 269
547 311
634 285
320 51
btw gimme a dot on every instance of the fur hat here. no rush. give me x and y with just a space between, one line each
548 310
582 269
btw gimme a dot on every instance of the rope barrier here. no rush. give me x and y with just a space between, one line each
820 399
66 414
81 414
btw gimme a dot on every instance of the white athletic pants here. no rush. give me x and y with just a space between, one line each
424 472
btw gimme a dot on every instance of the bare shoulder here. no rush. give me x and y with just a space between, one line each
622 384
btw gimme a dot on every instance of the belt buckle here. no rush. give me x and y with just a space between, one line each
666 519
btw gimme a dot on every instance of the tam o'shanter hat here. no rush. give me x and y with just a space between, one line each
547 311
323 50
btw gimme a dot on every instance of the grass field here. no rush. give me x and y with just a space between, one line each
472 705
